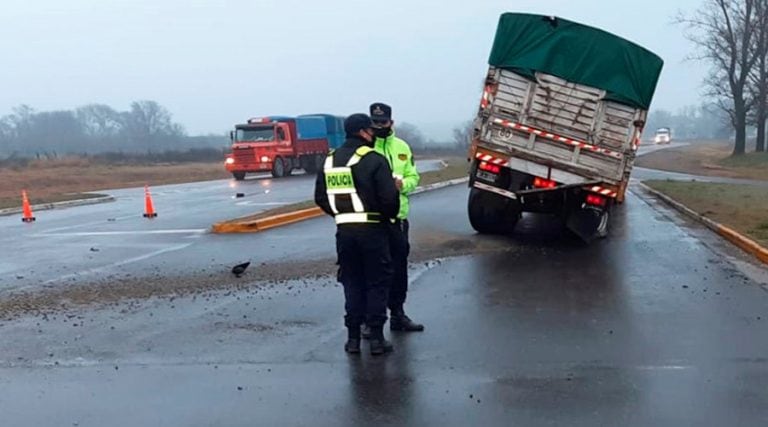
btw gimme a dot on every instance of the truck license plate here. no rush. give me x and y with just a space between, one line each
487 176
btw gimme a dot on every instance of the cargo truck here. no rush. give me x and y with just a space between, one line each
279 144
560 119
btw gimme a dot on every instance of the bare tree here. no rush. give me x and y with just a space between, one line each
99 120
411 134
149 124
462 135
759 76
724 32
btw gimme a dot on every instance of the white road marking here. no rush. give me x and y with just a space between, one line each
665 367
88 224
128 233
119 263
250 203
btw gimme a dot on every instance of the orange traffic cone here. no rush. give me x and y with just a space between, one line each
149 209
26 208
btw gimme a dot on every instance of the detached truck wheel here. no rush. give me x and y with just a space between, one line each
490 213
239 176
278 168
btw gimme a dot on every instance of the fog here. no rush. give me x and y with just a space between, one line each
216 63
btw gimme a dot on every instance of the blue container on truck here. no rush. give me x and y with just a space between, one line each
311 127
335 128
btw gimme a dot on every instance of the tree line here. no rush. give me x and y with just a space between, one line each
702 122
146 132
147 127
732 37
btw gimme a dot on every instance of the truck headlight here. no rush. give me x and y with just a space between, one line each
264 159
229 161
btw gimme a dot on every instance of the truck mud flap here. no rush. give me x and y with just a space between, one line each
584 223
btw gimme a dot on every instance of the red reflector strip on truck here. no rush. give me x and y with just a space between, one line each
491 159
603 191
557 138
486 99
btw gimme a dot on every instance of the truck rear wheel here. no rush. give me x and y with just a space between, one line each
309 165
589 224
604 226
239 176
278 168
313 163
490 213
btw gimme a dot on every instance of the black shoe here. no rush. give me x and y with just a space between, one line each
380 346
366 332
352 346
404 323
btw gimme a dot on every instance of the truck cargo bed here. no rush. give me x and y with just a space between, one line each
559 124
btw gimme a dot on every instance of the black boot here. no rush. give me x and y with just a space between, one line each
366 332
353 340
378 344
398 321
352 346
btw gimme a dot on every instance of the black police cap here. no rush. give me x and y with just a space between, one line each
357 122
381 112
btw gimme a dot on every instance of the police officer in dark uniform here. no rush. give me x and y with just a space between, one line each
357 189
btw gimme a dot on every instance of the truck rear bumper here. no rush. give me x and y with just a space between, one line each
521 187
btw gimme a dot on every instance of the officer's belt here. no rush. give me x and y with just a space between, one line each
358 218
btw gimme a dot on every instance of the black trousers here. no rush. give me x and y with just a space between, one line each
365 271
400 248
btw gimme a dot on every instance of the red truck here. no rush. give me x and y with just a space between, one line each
279 144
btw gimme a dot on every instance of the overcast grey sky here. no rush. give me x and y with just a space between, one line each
215 63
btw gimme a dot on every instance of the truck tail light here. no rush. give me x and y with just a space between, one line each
230 161
489 167
544 183
595 200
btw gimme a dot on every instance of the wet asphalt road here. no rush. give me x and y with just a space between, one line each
113 239
660 324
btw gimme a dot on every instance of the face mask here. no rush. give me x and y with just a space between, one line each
382 132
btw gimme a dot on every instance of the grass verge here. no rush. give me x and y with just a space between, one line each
743 208
58 180
708 159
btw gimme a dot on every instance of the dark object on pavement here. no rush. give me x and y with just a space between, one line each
238 195
239 269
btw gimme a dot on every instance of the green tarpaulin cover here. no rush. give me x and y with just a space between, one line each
528 43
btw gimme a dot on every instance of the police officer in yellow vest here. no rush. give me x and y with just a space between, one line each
400 158
357 189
